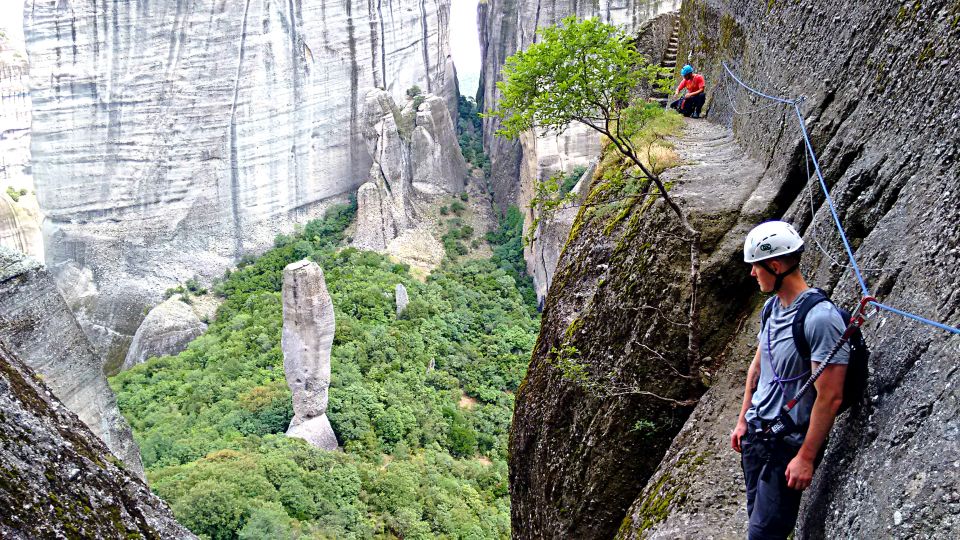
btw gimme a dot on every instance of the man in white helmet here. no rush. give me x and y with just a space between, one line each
777 468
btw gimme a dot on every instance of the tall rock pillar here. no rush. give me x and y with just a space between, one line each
308 326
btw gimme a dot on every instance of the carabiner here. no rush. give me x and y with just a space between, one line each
862 313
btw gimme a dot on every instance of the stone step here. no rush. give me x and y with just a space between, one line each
669 63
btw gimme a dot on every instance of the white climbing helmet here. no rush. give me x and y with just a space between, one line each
771 239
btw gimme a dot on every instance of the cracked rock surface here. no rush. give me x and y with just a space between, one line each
57 479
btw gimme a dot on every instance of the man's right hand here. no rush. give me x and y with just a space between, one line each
738 433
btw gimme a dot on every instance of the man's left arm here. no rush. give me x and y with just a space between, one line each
829 397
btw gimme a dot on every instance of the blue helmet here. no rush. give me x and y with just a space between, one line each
687 70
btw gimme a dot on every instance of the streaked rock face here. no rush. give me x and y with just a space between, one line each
167 330
171 137
59 480
19 220
308 327
550 237
38 326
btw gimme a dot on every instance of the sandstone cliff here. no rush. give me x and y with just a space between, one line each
58 480
19 219
171 137
891 163
308 327
37 325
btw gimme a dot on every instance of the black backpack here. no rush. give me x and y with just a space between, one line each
855 383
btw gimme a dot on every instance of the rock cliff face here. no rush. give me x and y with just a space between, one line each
517 166
20 219
507 26
37 325
171 137
891 163
308 327
551 235
57 479
167 330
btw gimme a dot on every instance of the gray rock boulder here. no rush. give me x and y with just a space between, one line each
401 297
59 480
38 326
166 330
376 224
308 328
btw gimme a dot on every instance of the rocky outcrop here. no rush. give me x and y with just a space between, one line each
582 447
416 157
437 165
37 325
401 298
20 224
57 479
890 162
509 26
167 330
308 327
170 137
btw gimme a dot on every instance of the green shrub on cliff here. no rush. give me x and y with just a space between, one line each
421 403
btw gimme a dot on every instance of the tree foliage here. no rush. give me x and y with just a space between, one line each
579 71
588 72
416 463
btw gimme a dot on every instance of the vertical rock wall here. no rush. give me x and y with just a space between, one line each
891 161
37 325
171 137
19 219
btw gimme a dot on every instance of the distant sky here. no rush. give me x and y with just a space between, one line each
11 19
465 44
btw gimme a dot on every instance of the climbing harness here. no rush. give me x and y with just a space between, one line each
783 424
836 218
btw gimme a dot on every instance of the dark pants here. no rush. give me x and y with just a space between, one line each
688 106
771 505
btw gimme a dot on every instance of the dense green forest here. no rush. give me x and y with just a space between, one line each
421 403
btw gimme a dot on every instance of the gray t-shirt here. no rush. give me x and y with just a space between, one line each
823 327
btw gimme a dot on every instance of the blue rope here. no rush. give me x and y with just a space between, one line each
833 209
917 318
757 92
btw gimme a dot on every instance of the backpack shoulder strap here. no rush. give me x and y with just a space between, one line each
766 311
799 338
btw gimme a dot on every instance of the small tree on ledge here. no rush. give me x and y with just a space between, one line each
589 72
